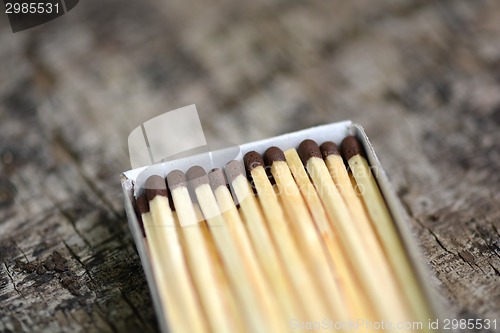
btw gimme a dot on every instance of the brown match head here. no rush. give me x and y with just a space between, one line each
252 160
307 149
234 169
273 154
196 176
155 185
142 204
350 147
175 179
329 148
216 178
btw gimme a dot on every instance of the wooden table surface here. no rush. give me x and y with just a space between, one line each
422 77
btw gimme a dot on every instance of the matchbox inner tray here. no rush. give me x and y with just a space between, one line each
335 132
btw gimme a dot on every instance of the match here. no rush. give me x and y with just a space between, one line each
262 243
236 229
383 224
168 295
349 234
202 266
360 307
338 172
163 231
294 263
305 234
258 313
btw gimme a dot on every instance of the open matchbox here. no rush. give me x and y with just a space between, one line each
331 132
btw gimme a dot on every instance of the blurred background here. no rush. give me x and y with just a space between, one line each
422 77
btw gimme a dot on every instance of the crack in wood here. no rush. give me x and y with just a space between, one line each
132 307
77 258
497 273
12 280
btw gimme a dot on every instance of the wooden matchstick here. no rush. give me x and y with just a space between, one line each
338 172
349 234
342 180
247 254
306 235
265 250
203 270
294 263
260 316
168 292
171 256
384 226
350 283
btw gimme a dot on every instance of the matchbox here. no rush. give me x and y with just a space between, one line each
336 132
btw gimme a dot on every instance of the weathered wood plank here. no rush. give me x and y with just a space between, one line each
421 76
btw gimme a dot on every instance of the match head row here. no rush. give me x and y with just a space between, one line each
197 176
307 149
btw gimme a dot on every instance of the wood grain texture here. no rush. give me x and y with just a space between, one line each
422 77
